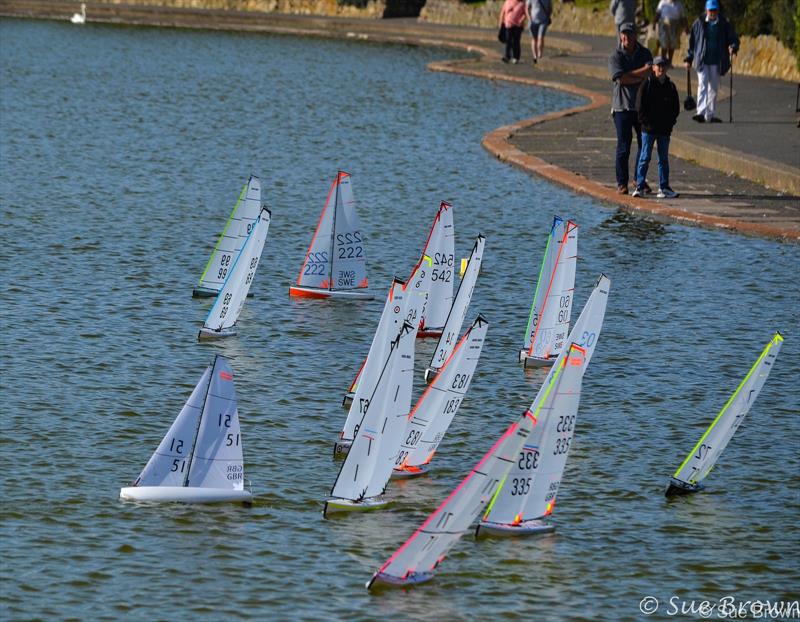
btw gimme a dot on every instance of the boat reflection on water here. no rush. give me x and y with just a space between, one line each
634 226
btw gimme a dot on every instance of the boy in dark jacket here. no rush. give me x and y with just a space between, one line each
658 106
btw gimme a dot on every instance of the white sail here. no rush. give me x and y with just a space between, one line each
418 287
217 460
701 460
230 300
548 323
369 463
440 247
433 413
530 490
169 465
229 245
458 311
406 302
200 459
364 384
418 558
336 259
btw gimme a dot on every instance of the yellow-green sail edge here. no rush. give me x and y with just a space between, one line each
222 235
539 281
536 418
776 339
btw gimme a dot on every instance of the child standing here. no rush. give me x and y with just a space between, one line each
658 106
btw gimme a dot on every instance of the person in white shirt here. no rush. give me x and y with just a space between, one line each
671 20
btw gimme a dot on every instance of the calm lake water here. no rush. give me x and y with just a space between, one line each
123 150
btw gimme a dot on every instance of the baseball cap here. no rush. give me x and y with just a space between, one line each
629 27
712 5
660 60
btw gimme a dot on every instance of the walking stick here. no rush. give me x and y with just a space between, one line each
730 103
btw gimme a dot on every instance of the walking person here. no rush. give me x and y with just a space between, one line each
512 16
628 66
671 19
624 12
538 13
712 44
658 108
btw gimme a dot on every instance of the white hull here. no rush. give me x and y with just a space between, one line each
525 528
314 292
379 580
535 361
410 472
207 334
334 506
184 494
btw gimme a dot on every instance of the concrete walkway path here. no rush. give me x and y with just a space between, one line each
744 176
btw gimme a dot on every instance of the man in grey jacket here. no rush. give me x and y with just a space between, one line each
628 66
624 12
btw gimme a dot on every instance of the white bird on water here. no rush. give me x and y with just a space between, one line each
80 18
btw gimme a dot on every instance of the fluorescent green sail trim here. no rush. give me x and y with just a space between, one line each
536 418
538 284
773 342
222 235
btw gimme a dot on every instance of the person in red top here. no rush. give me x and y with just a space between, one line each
512 16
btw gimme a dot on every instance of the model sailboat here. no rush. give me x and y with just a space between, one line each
221 320
405 302
418 559
368 465
458 311
440 248
431 417
336 262
230 242
698 464
548 323
528 494
200 459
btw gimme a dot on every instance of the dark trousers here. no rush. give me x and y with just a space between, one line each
626 122
513 36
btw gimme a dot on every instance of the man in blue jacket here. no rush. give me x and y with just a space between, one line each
712 43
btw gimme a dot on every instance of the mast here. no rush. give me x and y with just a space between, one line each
199 421
333 229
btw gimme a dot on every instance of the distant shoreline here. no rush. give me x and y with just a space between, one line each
410 32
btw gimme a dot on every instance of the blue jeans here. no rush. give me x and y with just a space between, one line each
626 123
662 148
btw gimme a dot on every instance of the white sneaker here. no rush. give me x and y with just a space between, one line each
637 192
666 193
514 61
